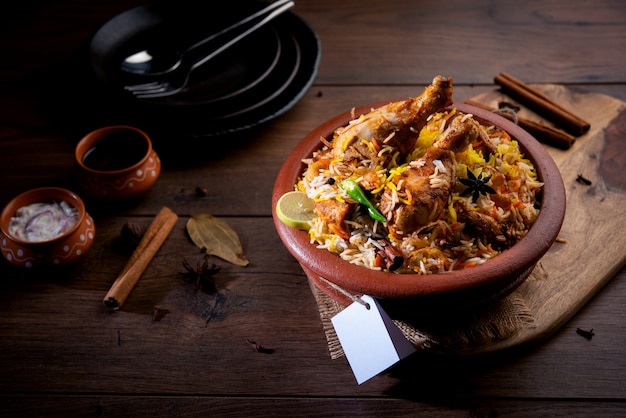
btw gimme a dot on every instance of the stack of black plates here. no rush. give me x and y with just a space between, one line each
252 82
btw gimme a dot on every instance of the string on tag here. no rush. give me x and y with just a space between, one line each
347 294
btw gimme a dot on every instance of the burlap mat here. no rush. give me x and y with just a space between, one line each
450 335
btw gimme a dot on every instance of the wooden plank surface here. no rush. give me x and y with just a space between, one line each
64 354
516 37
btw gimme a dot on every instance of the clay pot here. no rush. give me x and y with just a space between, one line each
460 289
116 163
61 250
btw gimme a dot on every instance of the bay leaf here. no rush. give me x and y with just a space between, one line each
216 237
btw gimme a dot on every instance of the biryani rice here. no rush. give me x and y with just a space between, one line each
515 205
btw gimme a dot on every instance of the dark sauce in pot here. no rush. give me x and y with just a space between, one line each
116 151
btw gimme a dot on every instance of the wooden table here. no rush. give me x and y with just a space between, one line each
64 354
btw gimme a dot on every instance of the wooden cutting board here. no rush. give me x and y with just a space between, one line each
573 271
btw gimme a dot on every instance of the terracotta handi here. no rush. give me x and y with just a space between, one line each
116 162
449 290
44 236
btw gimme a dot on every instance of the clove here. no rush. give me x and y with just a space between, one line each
201 191
158 313
582 180
587 334
259 348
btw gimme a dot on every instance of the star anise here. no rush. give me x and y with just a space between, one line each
476 185
202 274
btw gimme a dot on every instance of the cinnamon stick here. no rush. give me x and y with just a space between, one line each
543 133
390 256
152 240
542 104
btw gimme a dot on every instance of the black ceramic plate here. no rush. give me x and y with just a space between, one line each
233 73
251 83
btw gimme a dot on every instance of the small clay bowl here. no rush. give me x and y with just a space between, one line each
116 163
61 250
449 291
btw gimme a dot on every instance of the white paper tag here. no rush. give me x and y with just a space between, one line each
370 340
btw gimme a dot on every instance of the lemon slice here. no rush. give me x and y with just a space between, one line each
296 209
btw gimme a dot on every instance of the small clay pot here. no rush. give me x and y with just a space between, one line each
116 163
61 250
453 290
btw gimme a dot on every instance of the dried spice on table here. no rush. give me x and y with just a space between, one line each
158 313
217 238
151 241
542 104
584 333
259 348
201 275
582 180
201 191
130 236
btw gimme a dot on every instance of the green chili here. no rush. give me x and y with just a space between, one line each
355 192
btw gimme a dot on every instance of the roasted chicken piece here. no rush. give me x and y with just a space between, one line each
333 212
482 225
396 124
419 195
